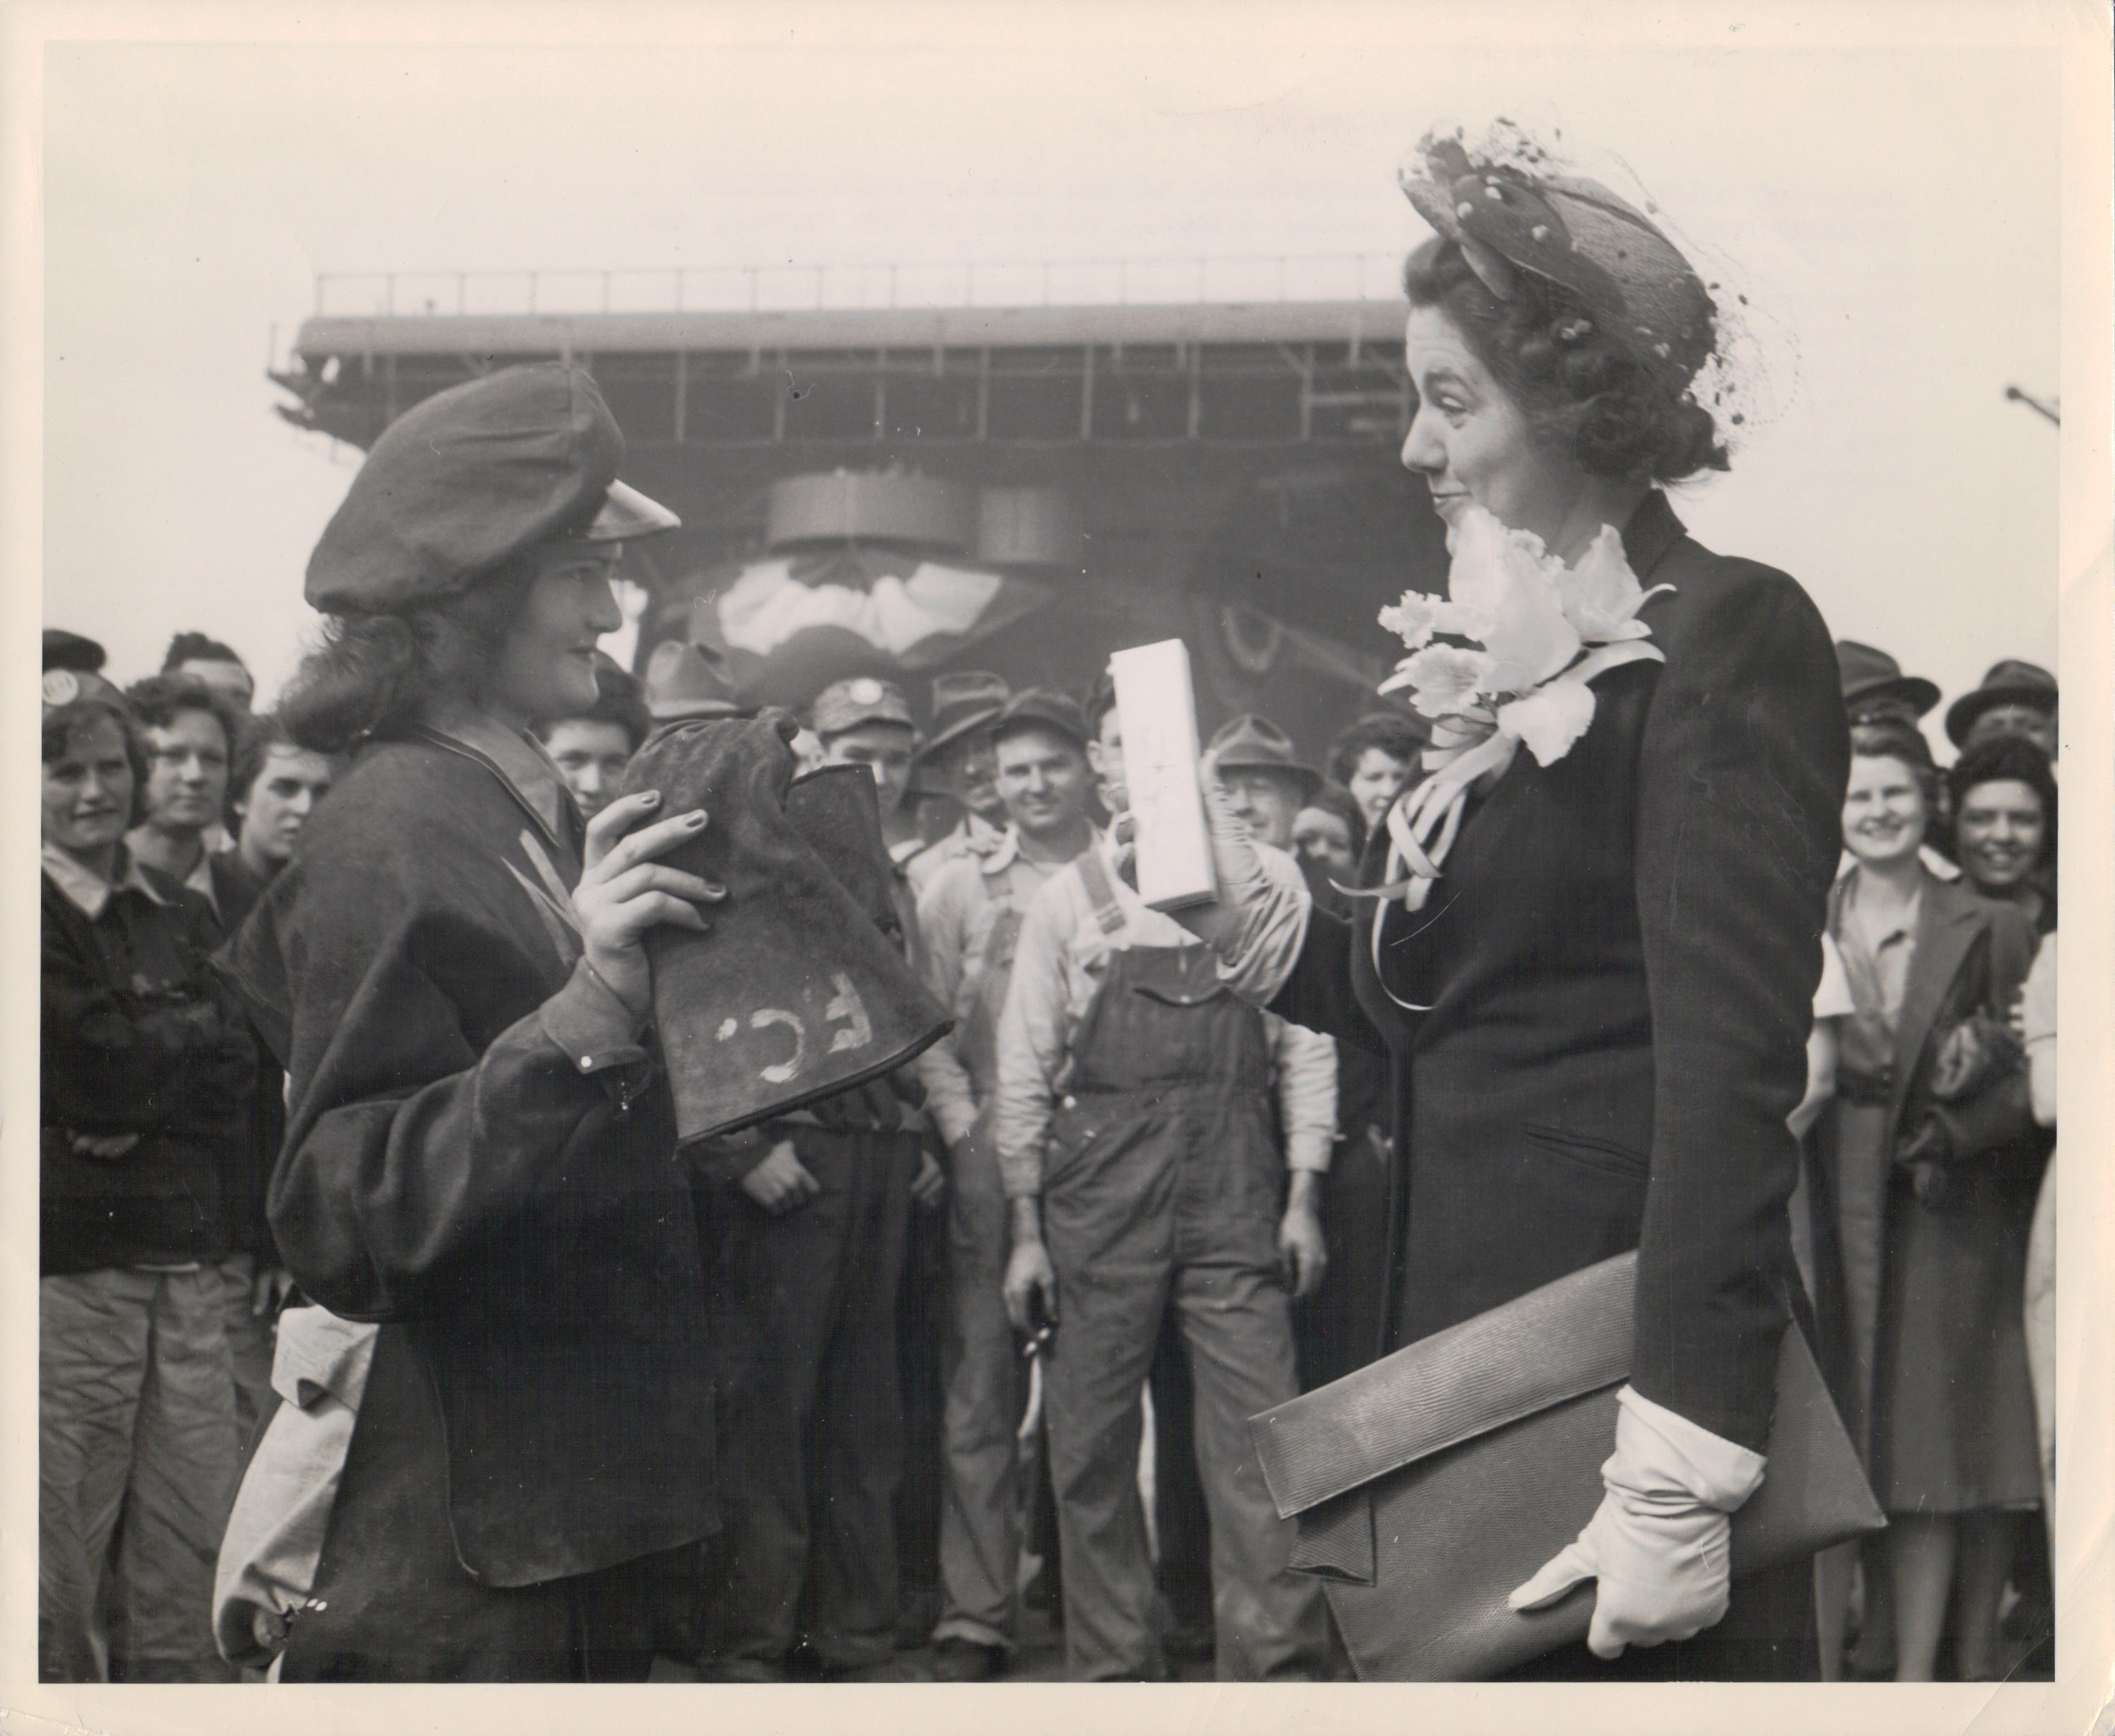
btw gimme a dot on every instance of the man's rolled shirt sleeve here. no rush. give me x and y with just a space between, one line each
1306 1068
1032 1038
1255 962
943 919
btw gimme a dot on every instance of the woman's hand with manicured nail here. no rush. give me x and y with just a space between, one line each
624 891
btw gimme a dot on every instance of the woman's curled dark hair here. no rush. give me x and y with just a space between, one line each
372 675
2008 760
1582 392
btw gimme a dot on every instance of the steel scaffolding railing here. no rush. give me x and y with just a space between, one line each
1236 278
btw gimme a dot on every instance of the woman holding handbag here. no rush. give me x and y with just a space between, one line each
1597 1006
1931 1161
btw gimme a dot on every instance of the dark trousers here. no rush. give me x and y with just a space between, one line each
814 1444
920 1321
1338 1329
1182 1523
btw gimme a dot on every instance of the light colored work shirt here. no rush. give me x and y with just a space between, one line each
1059 968
957 912
972 836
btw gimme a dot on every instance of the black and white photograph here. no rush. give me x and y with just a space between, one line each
1058 843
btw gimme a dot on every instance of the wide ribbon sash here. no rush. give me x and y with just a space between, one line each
1467 746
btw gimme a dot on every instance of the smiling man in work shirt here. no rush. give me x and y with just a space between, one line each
971 919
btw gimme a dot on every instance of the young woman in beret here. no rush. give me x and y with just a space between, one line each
1597 1021
480 1150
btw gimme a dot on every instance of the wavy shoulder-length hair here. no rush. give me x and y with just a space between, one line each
370 676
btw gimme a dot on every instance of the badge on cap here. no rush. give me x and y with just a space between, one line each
62 687
866 691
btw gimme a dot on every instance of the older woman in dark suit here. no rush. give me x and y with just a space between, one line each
1598 1017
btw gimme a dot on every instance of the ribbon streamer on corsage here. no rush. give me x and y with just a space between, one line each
1532 634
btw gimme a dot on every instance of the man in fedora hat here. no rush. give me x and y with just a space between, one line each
969 916
956 758
2015 698
1266 784
683 680
1874 687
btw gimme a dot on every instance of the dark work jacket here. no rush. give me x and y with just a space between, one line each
137 1039
511 1208
246 1167
1620 959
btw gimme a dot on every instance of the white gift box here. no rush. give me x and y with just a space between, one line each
1157 708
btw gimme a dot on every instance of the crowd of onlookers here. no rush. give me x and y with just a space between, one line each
905 1467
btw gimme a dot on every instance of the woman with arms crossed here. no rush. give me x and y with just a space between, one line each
1598 1018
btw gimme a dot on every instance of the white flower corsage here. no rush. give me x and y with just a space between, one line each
1537 633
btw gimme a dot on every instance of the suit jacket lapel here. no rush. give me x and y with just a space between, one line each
1948 923
1653 530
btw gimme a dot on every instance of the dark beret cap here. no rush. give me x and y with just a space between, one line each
461 482
74 651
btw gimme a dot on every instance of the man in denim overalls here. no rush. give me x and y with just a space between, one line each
1133 1129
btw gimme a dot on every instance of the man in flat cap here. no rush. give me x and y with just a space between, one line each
969 916
957 757
866 722
2015 698
218 666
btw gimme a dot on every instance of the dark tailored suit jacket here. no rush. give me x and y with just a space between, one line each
1620 961
520 1223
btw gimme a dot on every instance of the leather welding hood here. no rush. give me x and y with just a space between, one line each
795 993
838 812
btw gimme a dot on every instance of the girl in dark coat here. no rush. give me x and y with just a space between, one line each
146 1069
1598 1017
480 1147
1931 1162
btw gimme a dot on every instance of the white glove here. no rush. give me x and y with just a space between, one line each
1658 1544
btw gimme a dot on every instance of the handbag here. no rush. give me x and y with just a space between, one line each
1430 1484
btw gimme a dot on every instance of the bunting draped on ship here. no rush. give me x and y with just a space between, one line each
791 624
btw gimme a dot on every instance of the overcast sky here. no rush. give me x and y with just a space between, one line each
1892 216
